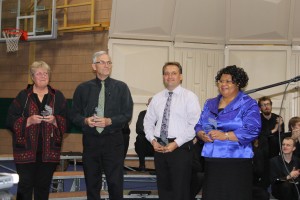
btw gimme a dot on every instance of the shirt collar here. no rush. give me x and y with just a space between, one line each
176 91
107 81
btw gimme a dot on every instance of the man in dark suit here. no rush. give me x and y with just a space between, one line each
143 147
103 143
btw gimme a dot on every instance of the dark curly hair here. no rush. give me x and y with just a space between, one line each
239 76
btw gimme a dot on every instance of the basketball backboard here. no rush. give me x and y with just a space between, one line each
37 17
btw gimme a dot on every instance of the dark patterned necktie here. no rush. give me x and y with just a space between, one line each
165 120
101 103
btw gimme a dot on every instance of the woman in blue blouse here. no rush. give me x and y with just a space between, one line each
227 126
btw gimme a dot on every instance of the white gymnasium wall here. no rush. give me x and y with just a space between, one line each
200 65
204 35
295 71
139 64
208 21
265 66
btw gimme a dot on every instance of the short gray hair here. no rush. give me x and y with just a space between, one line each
98 54
39 64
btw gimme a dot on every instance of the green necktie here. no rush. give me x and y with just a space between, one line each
101 103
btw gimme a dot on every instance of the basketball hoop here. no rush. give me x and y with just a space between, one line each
12 37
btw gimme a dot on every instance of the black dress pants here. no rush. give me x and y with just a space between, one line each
34 178
285 191
173 172
274 146
104 151
126 138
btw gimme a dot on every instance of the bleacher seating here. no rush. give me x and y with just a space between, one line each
77 175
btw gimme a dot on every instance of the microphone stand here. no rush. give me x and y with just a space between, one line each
297 78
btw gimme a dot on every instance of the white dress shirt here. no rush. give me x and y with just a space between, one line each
184 115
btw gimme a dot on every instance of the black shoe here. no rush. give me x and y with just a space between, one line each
142 168
152 172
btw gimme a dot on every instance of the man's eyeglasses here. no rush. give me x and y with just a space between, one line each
102 62
225 81
40 74
265 105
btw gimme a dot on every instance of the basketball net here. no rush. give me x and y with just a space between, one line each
12 37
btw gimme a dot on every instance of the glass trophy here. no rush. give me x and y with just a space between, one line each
47 111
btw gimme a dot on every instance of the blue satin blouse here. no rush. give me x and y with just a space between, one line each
242 116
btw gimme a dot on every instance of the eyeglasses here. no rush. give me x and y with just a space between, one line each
102 62
265 105
40 74
225 81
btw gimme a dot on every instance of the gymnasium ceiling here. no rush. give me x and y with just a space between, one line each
226 22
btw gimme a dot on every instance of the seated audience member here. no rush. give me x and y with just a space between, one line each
197 170
259 193
260 168
143 147
271 125
284 172
266 146
126 137
294 132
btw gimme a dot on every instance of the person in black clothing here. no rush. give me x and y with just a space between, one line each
272 124
260 180
143 147
267 144
103 144
284 172
294 132
197 177
126 137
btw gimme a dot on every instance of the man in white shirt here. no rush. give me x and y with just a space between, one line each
173 156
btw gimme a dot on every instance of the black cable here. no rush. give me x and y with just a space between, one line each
295 79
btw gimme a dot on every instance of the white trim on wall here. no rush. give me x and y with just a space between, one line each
268 65
139 63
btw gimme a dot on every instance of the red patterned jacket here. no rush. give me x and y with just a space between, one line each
25 139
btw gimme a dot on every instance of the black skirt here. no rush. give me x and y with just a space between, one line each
227 179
